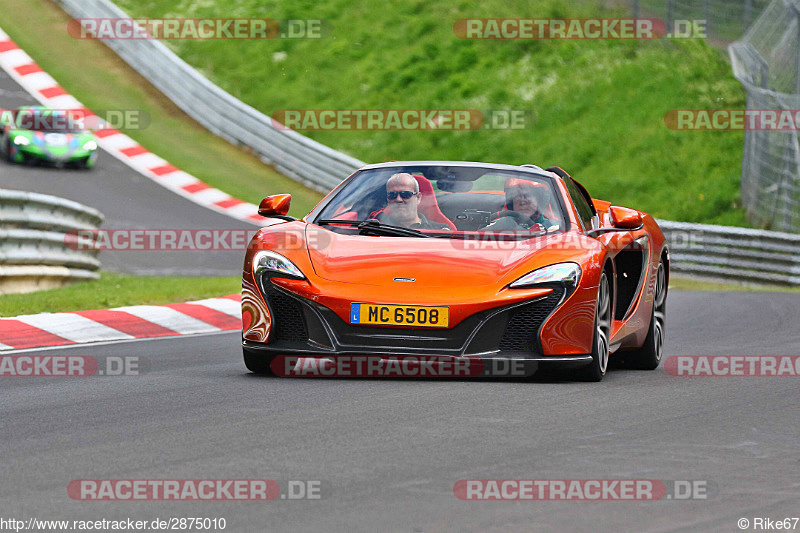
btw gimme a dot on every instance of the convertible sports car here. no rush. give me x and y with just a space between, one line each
36 133
457 259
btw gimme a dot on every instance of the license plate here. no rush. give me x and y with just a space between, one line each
55 139
400 315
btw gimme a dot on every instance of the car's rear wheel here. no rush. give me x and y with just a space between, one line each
649 355
596 370
258 362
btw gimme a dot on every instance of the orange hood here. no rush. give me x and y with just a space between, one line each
434 262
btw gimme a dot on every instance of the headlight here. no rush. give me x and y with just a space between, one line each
274 262
566 273
91 145
21 140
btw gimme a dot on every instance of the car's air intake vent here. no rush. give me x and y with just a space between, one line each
522 330
287 315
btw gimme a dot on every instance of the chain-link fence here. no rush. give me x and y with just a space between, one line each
767 62
726 20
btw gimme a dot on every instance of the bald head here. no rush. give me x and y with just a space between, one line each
403 179
402 193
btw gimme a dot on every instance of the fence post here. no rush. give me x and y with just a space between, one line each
748 13
797 54
669 16
791 179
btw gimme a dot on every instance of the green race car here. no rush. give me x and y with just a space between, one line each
40 134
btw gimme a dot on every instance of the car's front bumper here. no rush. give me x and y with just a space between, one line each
562 361
300 326
33 152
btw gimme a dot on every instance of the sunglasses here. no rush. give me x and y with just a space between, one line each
405 195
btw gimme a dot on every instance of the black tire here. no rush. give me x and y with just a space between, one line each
596 370
7 153
84 165
258 362
648 357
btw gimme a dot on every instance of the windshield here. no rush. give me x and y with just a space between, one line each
447 200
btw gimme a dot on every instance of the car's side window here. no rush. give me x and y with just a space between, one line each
585 211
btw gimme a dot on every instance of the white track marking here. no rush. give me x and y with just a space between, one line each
75 328
168 318
223 305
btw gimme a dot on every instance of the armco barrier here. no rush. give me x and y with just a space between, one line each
741 254
299 157
34 253
704 250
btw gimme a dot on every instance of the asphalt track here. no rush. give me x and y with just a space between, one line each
129 201
389 451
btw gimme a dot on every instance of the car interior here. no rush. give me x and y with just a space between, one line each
444 200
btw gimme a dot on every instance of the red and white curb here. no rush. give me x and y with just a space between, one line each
21 67
121 323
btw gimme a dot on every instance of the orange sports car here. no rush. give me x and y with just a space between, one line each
457 260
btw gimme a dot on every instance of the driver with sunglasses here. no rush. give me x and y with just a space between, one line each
403 196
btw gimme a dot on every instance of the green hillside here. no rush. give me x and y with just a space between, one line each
599 106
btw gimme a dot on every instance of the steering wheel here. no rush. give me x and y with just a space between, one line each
519 218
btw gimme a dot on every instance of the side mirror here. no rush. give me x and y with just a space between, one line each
625 218
276 206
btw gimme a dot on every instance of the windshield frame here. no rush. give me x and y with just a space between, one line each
530 173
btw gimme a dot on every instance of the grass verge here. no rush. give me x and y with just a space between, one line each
97 77
599 105
116 290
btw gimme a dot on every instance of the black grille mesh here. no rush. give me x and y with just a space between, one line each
521 333
288 323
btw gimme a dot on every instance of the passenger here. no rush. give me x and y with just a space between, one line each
524 197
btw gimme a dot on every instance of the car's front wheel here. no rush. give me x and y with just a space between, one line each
258 362
7 151
596 370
